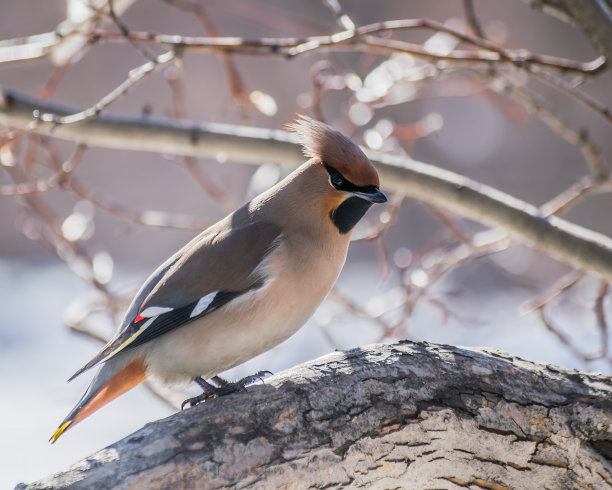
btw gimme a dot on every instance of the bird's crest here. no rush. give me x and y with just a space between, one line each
321 142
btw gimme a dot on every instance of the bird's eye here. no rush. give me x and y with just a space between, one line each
335 178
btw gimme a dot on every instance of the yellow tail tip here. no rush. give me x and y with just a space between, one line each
60 431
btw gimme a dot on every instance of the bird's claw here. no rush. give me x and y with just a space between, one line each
224 388
192 402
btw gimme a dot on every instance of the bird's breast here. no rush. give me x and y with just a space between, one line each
297 279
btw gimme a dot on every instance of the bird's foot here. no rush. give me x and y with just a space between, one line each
222 387
193 401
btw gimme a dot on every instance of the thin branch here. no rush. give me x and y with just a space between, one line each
537 106
123 28
600 314
568 89
134 77
342 18
567 199
235 81
150 218
189 163
358 310
362 38
472 18
563 284
561 336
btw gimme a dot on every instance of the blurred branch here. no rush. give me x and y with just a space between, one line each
566 339
123 28
554 8
594 18
586 186
535 105
174 76
151 218
342 18
235 81
51 236
575 245
563 337
80 15
365 38
472 18
560 286
600 314
361 38
569 89
134 77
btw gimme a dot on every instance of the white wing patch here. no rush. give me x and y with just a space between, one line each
155 311
202 304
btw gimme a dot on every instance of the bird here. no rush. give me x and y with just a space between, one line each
243 285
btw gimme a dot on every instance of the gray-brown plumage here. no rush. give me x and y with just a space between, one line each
246 283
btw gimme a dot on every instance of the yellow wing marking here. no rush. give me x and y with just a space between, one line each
130 339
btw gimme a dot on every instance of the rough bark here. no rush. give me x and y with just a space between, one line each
407 415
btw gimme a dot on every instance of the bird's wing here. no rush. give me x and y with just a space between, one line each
213 269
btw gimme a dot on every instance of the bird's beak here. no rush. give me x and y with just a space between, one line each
374 196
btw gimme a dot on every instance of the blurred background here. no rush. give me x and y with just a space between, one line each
83 227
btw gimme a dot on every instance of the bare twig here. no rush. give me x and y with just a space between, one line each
559 287
566 340
356 309
472 18
73 255
150 218
125 31
342 18
135 76
563 86
600 314
363 38
561 336
235 81
189 163
567 199
537 106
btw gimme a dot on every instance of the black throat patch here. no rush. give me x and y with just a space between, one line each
348 214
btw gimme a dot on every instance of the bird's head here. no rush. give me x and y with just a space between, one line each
352 183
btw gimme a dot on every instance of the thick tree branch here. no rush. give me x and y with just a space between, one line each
575 245
409 415
594 18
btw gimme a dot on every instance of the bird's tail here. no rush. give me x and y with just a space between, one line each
108 384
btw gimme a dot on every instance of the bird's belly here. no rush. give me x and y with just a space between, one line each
250 325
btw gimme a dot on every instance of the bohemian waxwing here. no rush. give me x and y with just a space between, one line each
246 283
